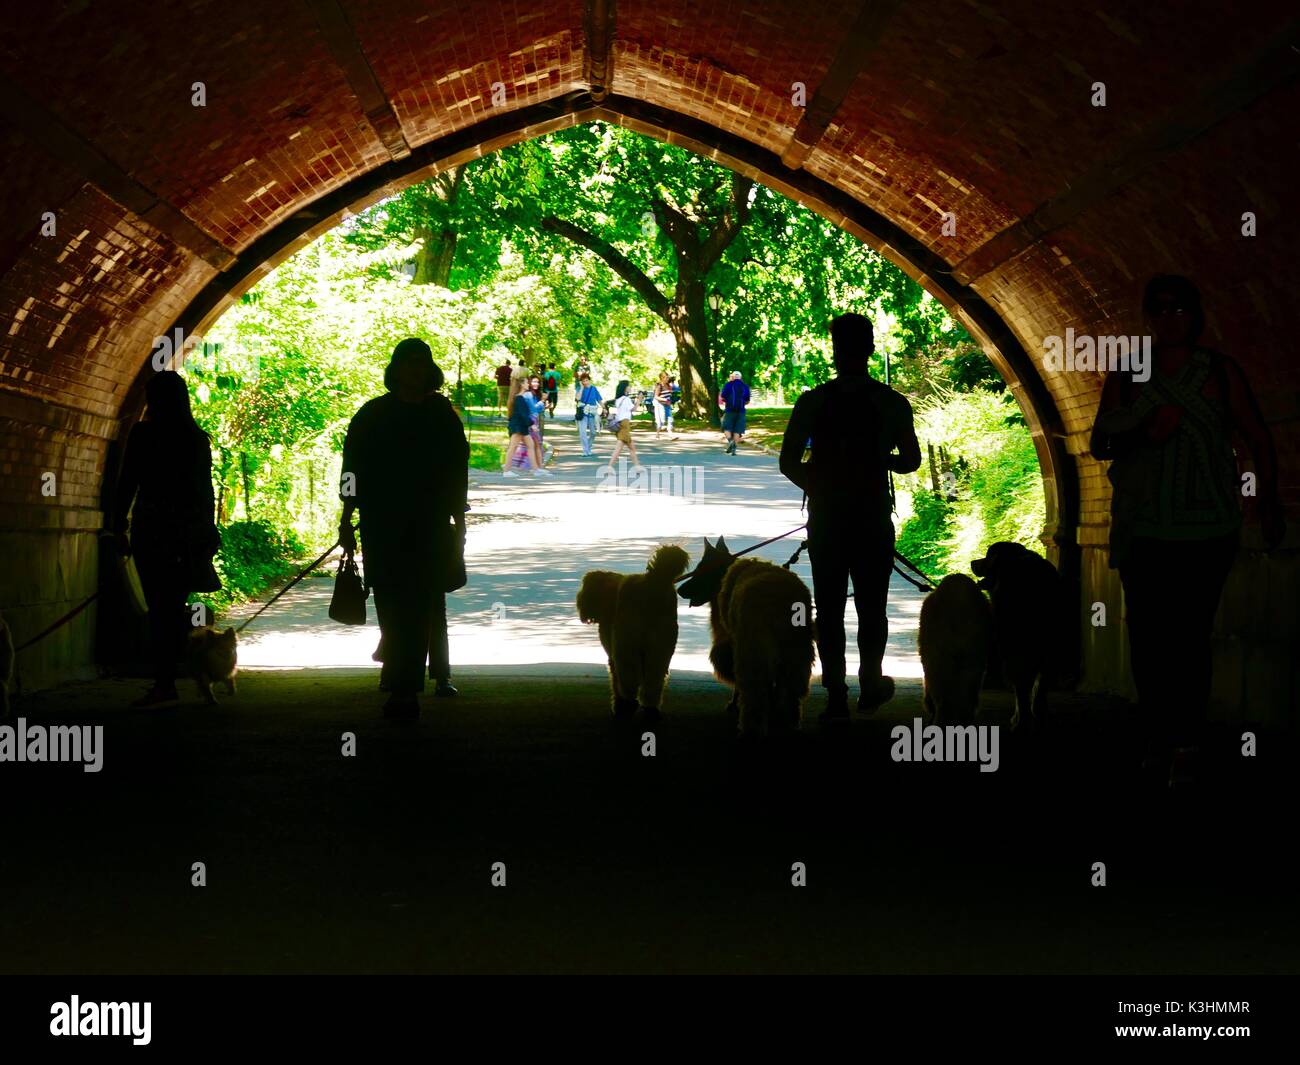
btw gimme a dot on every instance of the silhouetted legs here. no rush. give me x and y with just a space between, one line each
439 654
404 610
840 551
1171 593
163 581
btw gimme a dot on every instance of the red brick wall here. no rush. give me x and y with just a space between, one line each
978 110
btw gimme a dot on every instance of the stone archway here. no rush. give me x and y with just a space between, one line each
909 114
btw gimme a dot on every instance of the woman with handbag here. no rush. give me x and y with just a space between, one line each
167 475
589 401
405 468
622 421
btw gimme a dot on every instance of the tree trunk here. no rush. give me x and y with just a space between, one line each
689 322
433 260
438 244
243 469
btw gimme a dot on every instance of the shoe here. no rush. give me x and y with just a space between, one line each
837 707
509 473
877 695
542 473
402 708
444 690
157 696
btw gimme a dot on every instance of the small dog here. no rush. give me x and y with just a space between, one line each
6 665
955 639
212 657
763 636
1026 594
637 618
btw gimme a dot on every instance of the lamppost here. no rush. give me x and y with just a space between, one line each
715 304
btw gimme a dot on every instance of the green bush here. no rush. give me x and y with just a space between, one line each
923 537
253 556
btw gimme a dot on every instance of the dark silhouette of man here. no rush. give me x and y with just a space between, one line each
405 467
843 438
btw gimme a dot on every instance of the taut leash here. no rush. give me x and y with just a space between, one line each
328 551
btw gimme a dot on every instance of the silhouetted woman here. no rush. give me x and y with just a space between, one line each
405 467
167 474
1176 510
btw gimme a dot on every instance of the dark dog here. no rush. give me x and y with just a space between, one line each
212 656
1026 592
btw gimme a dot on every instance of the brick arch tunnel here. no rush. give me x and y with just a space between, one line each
1029 171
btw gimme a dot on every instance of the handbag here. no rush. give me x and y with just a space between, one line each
452 552
202 543
348 604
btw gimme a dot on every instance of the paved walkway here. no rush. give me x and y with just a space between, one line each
531 539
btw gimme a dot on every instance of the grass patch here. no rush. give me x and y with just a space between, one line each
486 456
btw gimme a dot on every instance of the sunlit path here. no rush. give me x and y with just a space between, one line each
531 539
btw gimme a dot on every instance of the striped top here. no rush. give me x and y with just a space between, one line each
1190 489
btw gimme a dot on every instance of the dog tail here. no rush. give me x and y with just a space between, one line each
598 595
668 563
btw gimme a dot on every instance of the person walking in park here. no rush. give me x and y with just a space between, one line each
859 430
733 398
523 449
551 388
589 401
538 402
663 405
167 475
504 374
405 468
623 408
1176 499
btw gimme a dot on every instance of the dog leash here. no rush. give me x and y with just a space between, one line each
923 585
747 550
58 624
328 551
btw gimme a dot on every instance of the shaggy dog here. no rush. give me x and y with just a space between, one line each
763 636
637 618
212 657
1026 593
955 639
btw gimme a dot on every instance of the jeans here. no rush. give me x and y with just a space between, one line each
587 433
841 550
